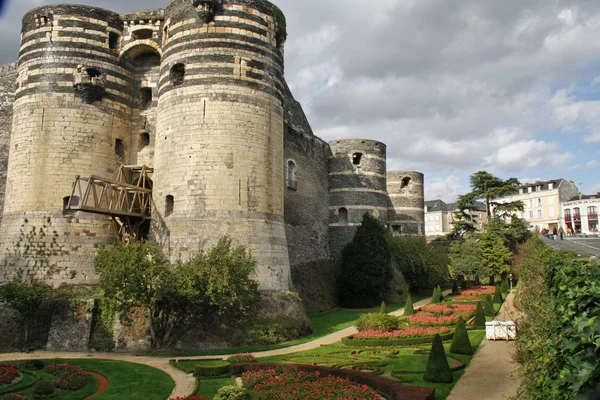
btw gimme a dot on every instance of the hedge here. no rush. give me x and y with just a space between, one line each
395 390
19 386
351 342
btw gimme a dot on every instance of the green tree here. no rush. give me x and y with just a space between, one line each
489 187
365 265
466 259
28 298
422 265
496 256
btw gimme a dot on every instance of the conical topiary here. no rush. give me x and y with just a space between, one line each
505 286
435 297
461 344
455 288
438 369
488 307
498 295
439 289
479 316
408 308
382 309
464 285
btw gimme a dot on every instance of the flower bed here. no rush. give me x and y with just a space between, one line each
402 333
270 384
351 341
69 377
461 310
475 294
8 374
427 318
241 358
192 397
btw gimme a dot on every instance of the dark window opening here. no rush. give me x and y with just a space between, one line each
356 158
343 215
169 206
74 202
291 175
405 182
93 72
119 150
142 34
177 74
145 98
166 32
144 140
113 40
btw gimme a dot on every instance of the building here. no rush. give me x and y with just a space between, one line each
581 214
440 217
177 125
542 201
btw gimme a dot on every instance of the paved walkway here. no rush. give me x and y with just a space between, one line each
185 384
491 373
586 246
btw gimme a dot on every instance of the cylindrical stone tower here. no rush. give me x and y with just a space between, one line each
357 185
407 196
71 117
219 147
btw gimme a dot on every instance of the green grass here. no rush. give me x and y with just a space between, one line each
209 387
126 381
190 365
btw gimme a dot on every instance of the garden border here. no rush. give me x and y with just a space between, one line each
396 390
351 342
17 388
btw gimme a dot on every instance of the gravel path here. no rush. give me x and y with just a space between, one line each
491 373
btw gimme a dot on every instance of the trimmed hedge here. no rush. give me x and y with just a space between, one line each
19 386
351 342
377 322
395 390
438 369
461 344
498 295
488 307
479 316
409 309
211 371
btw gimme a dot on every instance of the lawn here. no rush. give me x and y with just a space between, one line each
126 381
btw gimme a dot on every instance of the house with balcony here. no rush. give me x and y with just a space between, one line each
581 214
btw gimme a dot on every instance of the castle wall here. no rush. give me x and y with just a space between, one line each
72 115
219 152
357 185
406 191
8 77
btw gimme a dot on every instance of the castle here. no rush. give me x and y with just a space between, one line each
177 125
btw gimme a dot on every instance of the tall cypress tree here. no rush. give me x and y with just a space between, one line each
365 268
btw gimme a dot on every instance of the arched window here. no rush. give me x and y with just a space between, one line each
576 212
405 182
356 158
144 140
593 210
145 98
568 212
343 215
169 205
291 175
177 74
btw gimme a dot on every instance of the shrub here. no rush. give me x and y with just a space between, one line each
43 390
232 393
488 307
464 285
498 295
382 309
241 358
408 308
505 287
455 290
69 377
438 369
37 365
440 292
479 316
461 344
377 322
210 371
435 297
422 265
8 373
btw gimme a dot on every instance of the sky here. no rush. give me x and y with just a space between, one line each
452 87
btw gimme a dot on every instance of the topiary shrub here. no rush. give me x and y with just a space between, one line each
505 287
435 297
498 295
464 285
43 390
438 369
377 322
488 306
461 344
231 393
479 316
37 365
408 308
440 293
382 309
241 358
455 290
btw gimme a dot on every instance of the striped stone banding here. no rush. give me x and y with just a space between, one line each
64 11
220 42
225 81
71 66
72 46
229 97
107 100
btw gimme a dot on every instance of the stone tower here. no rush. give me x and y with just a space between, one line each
357 185
71 116
219 148
407 202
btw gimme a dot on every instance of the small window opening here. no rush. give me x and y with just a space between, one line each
145 98
93 72
166 32
113 40
343 215
169 206
142 34
74 200
356 158
291 175
177 74
405 182
144 140
119 150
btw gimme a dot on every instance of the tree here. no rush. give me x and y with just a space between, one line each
495 255
466 259
28 299
365 265
488 187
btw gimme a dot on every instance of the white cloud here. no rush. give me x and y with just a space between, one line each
592 164
446 189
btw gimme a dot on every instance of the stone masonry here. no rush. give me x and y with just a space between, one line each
197 91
